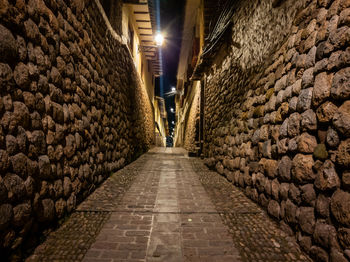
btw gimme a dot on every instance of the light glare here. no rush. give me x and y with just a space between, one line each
159 39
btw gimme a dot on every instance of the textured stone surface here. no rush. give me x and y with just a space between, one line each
15 187
274 209
308 120
294 124
124 226
304 82
327 178
67 77
46 211
340 206
8 46
306 143
6 213
326 111
320 152
308 194
304 99
344 236
341 84
73 109
346 180
322 234
302 168
343 154
332 138
341 119
307 219
21 75
129 229
21 214
239 214
322 205
322 88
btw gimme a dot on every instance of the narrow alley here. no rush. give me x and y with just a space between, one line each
174 130
171 211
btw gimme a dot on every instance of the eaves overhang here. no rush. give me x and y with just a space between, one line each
145 14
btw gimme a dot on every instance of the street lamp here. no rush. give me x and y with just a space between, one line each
158 42
172 91
159 39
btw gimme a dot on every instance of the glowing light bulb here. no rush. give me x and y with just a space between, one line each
159 39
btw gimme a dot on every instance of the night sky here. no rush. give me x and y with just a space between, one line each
171 16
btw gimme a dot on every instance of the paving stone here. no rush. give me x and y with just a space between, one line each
168 207
255 235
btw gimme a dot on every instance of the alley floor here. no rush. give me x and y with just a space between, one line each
166 206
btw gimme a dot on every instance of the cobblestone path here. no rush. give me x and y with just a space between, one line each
160 208
254 233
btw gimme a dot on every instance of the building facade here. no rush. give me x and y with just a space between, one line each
161 122
187 99
138 27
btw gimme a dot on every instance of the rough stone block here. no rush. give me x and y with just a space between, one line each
341 119
322 88
306 219
340 207
308 194
308 120
273 209
343 153
294 124
306 143
8 46
304 99
326 111
6 214
302 168
327 178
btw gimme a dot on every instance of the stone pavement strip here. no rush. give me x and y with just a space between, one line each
160 208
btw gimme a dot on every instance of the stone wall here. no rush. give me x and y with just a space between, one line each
72 110
277 117
191 120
